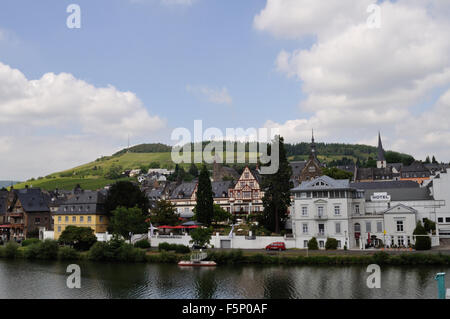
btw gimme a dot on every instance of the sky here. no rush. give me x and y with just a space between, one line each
141 68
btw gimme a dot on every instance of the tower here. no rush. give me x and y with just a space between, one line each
381 161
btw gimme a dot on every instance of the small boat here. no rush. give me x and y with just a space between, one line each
197 263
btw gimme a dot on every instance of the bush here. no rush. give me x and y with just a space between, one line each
116 250
98 251
144 244
331 244
312 244
30 241
48 249
32 251
11 249
68 253
181 249
423 243
81 238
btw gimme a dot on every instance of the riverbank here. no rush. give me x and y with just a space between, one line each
102 252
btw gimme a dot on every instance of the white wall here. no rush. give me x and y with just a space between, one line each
237 242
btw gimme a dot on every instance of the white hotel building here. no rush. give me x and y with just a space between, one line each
357 214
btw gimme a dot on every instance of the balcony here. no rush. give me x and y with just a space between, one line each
320 217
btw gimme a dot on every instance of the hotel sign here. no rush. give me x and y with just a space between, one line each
380 197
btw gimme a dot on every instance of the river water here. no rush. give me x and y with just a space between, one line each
25 279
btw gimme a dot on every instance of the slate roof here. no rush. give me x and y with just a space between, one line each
331 183
385 184
220 188
297 167
184 190
402 194
33 200
83 202
3 202
373 173
415 167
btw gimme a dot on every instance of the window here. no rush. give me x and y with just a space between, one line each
89 219
246 175
321 244
37 220
81 219
440 220
304 211
356 209
339 244
447 219
320 210
74 219
305 228
400 226
337 210
305 244
59 218
379 227
338 228
66 219
59 229
101 218
368 227
303 195
357 228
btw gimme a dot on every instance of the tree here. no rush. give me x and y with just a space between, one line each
434 161
114 172
312 244
422 242
201 236
193 170
127 221
336 173
80 238
220 214
331 244
429 225
204 209
277 193
427 160
126 194
164 213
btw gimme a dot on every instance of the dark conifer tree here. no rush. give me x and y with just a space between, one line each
204 209
277 192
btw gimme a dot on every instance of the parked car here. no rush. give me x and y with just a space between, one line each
276 246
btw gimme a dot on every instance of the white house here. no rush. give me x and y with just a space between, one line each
323 208
360 214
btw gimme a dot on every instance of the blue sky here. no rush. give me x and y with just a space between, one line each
156 50
144 67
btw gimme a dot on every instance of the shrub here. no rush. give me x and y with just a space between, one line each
312 244
81 238
164 246
48 249
331 244
11 249
422 242
98 251
30 241
181 249
142 244
32 251
380 257
68 253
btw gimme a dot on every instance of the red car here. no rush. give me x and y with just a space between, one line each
276 246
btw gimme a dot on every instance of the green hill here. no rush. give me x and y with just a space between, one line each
97 174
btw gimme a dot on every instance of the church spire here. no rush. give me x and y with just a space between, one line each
313 146
381 160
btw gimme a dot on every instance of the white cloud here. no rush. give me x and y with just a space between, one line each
357 80
58 120
213 95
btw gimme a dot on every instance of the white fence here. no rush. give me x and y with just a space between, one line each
239 242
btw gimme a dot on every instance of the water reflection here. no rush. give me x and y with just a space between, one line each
23 279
